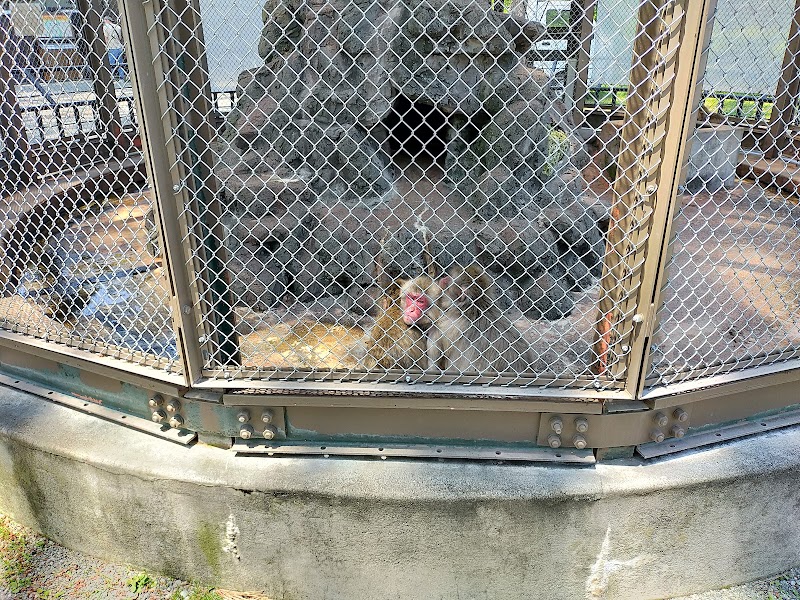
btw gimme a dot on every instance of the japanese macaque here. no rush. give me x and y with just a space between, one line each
397 339
470 333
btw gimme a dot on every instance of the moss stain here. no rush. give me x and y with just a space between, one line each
211 546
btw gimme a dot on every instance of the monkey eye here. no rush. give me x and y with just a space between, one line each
419 300
444 282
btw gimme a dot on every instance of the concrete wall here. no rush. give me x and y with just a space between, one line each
326 529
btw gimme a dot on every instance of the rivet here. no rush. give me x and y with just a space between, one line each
176 188
597 385
678 431
638 318
554 441
156 401
660 419
626 348
158 416
681 415
173 406
556 424
243 416
267 416
270 432
201 339
579 442
176 421
581 425
246 432
651 189
657 435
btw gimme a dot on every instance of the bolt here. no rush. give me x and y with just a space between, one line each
638 318
597 385
270 431
187 309
243 416
626 349
678 431
661 419
651 189
581 425
657 435
246 432
681 415
176 421
554 441
201 339
579 442
158 416
156 401
173 406
556 424
267 416
176 188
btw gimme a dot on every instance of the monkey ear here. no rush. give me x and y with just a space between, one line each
445 281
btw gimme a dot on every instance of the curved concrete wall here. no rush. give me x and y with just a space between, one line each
325 529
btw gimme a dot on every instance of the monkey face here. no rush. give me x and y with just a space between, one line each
414 306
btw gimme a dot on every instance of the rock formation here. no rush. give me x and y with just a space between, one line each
388 130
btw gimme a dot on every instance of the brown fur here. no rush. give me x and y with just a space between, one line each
470 334
390 343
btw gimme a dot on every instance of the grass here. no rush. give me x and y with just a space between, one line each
140 582
197 594
17 548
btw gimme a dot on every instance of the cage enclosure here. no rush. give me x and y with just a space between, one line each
541 231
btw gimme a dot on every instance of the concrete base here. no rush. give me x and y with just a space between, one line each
325 529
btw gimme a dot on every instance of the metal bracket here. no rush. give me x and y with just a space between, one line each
722 434
180 436
502 453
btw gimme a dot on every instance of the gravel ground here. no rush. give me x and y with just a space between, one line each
34 568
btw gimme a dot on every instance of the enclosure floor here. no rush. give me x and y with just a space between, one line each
733 293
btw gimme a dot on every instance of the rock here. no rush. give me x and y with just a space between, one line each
315 199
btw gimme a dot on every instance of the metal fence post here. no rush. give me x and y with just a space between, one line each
665 87
159 125
11 126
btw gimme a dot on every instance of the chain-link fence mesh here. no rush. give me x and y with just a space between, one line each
733 294
80 264
404 192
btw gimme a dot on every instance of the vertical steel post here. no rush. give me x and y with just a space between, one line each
787 92
580 45
151 63
102 78
669 55
11 126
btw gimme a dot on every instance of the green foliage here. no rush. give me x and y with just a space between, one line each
140 582
15 556
557 149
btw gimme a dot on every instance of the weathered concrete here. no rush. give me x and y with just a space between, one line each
714 157
328 529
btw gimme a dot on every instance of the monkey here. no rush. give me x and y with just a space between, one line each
397 339
469 332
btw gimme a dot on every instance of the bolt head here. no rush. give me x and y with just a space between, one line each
657 435
661 419
173 406
681 415
158 416
155 401
556 424
246 432
581 425
270 432
267 416
678 431
554 441
637 318
579 442
176 188
176 421
243 416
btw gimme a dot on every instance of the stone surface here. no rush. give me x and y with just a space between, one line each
311 158
311 528
714 157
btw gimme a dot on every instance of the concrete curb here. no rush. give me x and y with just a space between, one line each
315 528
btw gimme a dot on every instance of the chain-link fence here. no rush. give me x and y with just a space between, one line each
439 191
732 299
80 264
